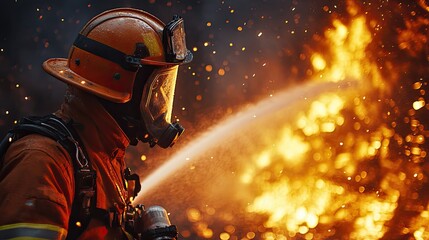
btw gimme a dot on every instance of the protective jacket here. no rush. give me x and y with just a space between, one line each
37 180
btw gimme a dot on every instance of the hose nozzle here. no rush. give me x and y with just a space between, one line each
155 225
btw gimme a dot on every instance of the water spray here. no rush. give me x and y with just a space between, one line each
225 128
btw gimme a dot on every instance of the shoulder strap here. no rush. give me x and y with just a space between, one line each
85 178
25 127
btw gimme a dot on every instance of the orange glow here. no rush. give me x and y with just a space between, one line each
299 204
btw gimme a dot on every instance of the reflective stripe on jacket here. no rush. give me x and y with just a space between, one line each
32 231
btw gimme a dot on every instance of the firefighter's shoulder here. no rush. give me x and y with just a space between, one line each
36 144
35 152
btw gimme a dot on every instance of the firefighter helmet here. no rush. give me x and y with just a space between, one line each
110 48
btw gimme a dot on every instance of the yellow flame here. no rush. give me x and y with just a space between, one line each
291 147
322 115
294 203
299 201
373 215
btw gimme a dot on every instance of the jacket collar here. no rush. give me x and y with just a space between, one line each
95 126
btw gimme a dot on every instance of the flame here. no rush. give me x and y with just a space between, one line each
348 55
305 195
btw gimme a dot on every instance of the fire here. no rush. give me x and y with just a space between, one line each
348 55
348 50
298 178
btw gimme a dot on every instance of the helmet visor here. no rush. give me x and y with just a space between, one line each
175 41
157 100
178 42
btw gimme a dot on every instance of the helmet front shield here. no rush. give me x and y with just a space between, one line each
174 39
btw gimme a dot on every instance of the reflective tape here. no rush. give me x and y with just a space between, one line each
32 231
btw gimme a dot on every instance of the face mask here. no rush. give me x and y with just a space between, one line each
156 106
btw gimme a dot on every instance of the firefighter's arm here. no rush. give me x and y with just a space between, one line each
36 190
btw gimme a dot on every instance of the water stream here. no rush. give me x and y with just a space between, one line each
228 127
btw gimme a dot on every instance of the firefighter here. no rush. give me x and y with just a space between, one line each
63 175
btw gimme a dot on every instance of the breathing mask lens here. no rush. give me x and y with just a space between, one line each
159 101
157 104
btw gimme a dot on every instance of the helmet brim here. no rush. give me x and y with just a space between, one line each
58 68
